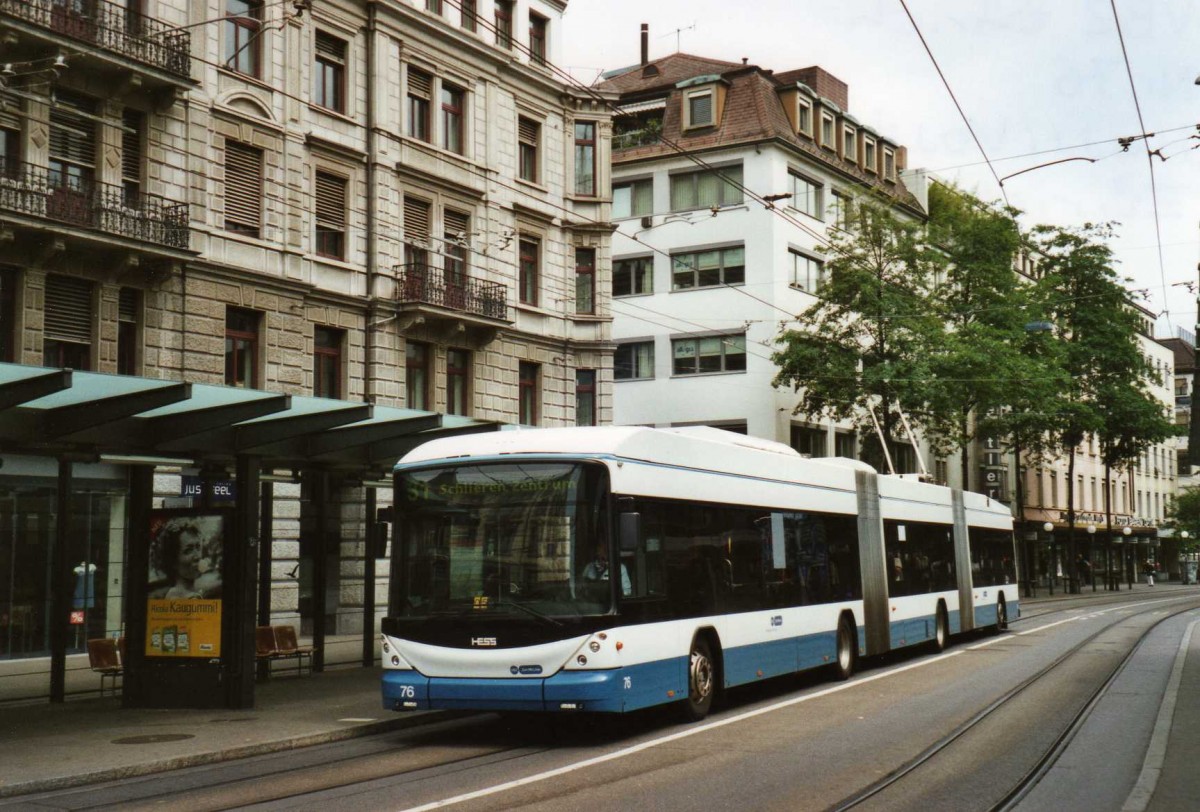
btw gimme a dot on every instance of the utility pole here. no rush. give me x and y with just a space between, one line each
1193 422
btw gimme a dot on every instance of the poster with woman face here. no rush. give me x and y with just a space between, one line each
183 603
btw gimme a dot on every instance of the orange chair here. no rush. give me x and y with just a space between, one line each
105 659
288 646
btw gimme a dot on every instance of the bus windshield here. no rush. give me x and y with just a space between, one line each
502 538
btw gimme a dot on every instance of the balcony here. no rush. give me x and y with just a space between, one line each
104 25
457 303
34 191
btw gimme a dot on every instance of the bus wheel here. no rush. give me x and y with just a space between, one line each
941 631
1001 615
701 681
847 649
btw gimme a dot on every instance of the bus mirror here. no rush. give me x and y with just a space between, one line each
630 531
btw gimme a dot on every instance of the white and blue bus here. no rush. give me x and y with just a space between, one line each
612 569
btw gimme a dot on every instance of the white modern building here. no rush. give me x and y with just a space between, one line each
704 278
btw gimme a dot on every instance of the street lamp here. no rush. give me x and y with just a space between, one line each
1091 531
1184 557
1052 570
1127 531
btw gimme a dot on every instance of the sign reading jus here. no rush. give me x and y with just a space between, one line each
221 490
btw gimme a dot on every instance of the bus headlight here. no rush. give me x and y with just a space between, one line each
594 646
581 659
395 660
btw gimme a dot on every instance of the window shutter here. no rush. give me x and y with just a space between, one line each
127 305
68 309
527 131
72 133
131 145
330 46
243 186
420 84
331 200
416 221
456 222
701 109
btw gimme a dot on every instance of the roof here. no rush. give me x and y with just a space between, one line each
85 415
753 113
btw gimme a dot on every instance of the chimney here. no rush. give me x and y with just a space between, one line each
645 43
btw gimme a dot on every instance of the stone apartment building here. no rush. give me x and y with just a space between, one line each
393 202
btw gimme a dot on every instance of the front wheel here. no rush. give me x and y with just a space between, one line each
941 631
701 681
1001 615
847 649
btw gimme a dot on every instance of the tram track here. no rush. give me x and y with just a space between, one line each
876 794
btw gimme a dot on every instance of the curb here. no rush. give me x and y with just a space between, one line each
218 756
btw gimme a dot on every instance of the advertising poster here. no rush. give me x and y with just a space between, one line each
183 596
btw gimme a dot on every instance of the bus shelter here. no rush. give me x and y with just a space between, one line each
197 575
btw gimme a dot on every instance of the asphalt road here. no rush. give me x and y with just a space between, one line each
963 730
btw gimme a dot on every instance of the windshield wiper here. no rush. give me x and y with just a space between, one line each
530 611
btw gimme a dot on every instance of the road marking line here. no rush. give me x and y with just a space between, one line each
692 731
1156 753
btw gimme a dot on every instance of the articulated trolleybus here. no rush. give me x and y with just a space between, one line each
611 569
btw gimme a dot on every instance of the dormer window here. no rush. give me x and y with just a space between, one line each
849 143
869 156
827 139
699 105
804 117
889 164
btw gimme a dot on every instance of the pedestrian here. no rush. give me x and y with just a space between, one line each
1148 569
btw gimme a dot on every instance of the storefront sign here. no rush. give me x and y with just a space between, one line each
221 490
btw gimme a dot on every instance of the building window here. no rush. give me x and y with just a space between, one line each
537 38
634 198
634 361
416 234
133 125
529 281
849 144
703 269
243 23
529 384
455 228
420 95
504 23
417 357
127 332
844 445
889 164
699 108
470 15
458 377
329 73
839 210
804 117
869 157
10 152
808 273
706 189
72 155
585 157
697 356
808 441
243 189
827 140
632 277
68 323
241 347
528 133
8 314
808 196
434 6
452 118
331 215
585 397
585 280
327 362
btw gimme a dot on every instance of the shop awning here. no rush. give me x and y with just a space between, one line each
84 415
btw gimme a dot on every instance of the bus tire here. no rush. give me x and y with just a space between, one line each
1001 615
941 629
847 649
702 681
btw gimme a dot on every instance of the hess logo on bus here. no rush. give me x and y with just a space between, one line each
489 642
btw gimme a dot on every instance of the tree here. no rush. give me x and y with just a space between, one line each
863 347
1184 514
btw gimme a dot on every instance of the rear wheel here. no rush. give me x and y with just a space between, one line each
702 682
847 649
941 631
1001 614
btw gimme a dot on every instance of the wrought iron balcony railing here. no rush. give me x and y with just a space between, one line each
36 191
421 282
637 138
110 26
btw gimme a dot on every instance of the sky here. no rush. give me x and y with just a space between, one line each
1030 75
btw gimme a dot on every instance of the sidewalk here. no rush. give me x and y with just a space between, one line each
45 747
85 741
